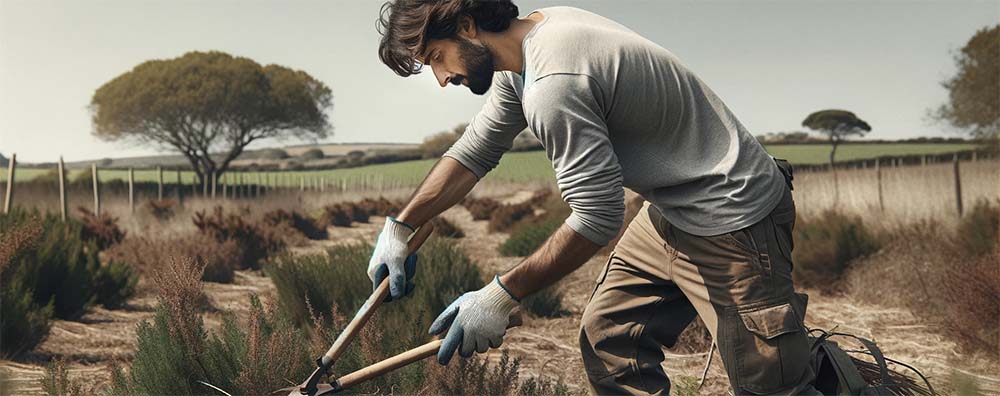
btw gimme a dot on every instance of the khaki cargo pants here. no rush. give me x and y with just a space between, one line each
659 277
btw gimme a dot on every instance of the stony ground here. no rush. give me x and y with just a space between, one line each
546 347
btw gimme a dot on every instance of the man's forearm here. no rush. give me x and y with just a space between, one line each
564 252
445 185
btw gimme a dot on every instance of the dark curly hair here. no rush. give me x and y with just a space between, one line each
407 25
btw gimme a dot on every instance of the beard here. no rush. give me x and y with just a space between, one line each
478 62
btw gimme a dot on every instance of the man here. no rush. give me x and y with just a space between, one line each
612 110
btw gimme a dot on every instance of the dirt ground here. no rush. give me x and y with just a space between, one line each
546 347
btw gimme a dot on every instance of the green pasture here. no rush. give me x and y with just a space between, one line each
820 153
515 166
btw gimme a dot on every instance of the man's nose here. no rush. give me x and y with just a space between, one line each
443 78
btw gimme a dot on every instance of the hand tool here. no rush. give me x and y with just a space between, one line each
311 385
381 368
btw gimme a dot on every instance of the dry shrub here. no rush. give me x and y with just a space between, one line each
336 215
102 229
56 381
381 206
825 246
358 212
297 221
480 208
23 323
161 210
979 229
255 242
445 228
924 267
145 254
179 290
505 216
18 238
974 291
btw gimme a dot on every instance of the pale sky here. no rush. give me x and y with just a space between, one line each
772 62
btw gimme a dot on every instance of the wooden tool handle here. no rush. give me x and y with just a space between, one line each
373 302
419 353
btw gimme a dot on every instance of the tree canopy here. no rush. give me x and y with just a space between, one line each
209 106
974 91
837 125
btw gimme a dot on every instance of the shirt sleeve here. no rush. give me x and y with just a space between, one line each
566 112
492 131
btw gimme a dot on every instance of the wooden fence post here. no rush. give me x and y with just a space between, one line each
131 191
223 181
302 183
97 194
214 182
7 199
958 185
180 190
62 188
878 176
159 182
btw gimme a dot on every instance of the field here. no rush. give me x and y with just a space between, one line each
515 166
874 297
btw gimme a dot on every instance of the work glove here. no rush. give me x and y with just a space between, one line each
389 259
478 321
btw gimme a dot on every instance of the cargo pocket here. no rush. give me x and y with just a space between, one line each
771 348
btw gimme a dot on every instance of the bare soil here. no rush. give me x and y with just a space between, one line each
546 347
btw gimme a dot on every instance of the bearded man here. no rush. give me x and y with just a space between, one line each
612 110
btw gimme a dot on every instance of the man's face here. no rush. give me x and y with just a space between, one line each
461 61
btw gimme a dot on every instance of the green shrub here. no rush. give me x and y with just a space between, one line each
546 303
825 245
114 283
527 237
60 268
312 154
979 229
23 323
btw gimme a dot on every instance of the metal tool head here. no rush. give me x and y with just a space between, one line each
312 386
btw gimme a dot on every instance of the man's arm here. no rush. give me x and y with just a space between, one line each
564 252
445 185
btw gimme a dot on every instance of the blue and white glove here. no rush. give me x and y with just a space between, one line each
389 259
478 321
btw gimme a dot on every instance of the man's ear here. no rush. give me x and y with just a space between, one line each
467 27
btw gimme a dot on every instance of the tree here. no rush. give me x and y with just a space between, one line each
837 125
974 92
209 106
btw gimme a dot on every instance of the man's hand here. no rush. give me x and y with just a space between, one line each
389 259
477 320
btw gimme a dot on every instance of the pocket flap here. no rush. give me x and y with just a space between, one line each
771 322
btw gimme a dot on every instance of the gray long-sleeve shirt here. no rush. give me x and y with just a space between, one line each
614 110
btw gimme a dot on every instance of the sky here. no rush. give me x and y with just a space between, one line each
772 62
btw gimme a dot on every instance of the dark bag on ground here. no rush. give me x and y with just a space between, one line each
839 373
